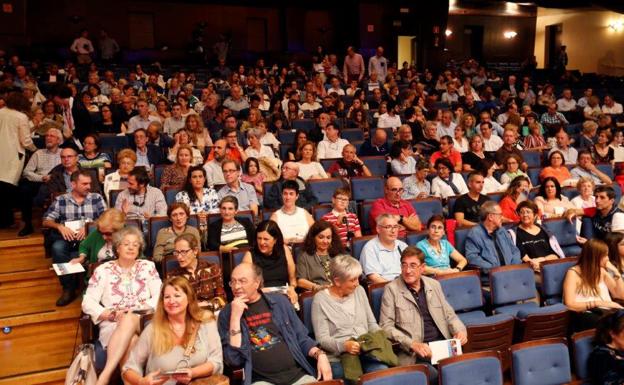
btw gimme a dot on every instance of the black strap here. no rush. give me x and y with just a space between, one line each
451 184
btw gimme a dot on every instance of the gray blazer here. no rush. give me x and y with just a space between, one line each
401 320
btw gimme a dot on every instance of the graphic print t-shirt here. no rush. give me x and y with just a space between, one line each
272 361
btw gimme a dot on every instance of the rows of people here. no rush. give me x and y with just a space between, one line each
449 137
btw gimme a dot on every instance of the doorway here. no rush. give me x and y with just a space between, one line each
406 50
553 44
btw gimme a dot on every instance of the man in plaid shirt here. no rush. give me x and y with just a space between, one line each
78 205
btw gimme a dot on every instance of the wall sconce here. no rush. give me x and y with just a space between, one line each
448 32
617 25
510 34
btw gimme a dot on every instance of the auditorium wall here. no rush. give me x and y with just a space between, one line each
592 45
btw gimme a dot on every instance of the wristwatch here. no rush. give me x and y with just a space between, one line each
318 353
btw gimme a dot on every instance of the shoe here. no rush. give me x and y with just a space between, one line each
27 230
66 298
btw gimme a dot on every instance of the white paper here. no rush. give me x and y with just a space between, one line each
76 225
67 268
444 349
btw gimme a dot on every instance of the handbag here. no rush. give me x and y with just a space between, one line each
82 369
215 379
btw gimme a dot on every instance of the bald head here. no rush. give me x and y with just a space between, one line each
393 189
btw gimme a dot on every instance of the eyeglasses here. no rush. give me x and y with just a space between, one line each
390 227
235 282
436 227
342 199
396 190
181 252
229 171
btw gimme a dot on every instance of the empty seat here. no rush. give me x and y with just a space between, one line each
378 165
544 362
532 158
582 346
375 293
566 235
607 169
365 208
323 189
461 234
413 237
304 124
286 137
471 369
463 292
411 374
358 245
305 312
352 134
170 194
367 188
319 210
553 273
426 208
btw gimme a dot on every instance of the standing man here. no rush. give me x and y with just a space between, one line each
36 174
378 64
262 334
83 48
353 68
67 217
414 312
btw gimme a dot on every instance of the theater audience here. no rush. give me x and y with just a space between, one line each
517 192
244 193
536 244
438 251
447 183
118 180
178 214
275 260
349 165
392 203
414 312
588 288
229 231
206 278
556 169
342 319
178 324
345 222
112 306
293 221
380 257
466 207
309 167
321 245
550 202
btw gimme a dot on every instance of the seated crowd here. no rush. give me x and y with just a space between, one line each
143 174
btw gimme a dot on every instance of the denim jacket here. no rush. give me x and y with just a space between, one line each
481 252
284 317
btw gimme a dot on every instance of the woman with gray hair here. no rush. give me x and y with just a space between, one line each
341 313
255 148
118 292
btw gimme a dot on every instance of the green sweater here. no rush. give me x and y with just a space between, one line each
91 246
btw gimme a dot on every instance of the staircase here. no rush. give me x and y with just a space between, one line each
36 337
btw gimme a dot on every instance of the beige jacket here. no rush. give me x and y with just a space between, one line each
401 320
14 140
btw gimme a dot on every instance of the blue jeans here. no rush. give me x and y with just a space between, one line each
369 364
63 251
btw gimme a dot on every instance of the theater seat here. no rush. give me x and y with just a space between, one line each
565 232
541 362
471 369
367 188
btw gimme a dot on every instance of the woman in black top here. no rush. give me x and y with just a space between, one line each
606 361
108 124
536 245
229 232
473 158
274 258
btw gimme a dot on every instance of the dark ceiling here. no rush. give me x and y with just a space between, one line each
612 5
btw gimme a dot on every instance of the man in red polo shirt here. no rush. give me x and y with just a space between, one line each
392 203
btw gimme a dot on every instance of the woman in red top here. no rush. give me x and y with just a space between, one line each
517 192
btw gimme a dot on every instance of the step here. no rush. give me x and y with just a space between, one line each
34 300
38 347
44 377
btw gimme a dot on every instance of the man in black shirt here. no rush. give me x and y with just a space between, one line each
262 333
466 208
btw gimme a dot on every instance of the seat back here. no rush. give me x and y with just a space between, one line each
319 210
541 362
365 209
367 188
155 224
112 197
286 137
158 171
532 158
378 165
352 134
403 375
236 257
247 214
582 346
170 194
304 124
495 334
462 290
358 245
510 284
606 168
426 208
461 234
545 325
413 237
375 293
266 187
553 273
323 189
565 233
305 312
471 368
533 174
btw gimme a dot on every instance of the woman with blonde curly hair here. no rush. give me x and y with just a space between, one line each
181 338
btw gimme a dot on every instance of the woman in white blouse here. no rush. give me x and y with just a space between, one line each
309 168
256 149
118 292
447 183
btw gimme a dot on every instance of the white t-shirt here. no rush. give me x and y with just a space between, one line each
328 149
